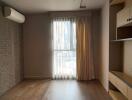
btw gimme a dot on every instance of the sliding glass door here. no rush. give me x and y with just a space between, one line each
64 48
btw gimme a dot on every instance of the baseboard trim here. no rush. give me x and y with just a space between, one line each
36 77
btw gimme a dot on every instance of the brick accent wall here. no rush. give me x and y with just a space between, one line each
10 54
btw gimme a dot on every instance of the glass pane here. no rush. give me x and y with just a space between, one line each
64 36
61 32
65 64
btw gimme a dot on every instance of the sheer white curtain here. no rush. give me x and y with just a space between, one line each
64 48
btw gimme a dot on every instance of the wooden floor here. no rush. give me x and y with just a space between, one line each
56 90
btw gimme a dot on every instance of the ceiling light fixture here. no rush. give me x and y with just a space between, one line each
83 3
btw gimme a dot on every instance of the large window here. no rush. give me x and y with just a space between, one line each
64 48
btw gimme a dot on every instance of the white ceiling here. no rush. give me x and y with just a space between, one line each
37 6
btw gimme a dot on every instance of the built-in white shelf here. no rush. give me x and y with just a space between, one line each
123 83
117 95
120 40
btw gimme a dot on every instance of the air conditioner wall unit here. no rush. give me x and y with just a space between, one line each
13 15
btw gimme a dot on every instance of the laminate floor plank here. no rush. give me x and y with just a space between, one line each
57 90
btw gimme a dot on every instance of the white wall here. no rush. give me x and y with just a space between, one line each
128 57
37 43
37 47
104 46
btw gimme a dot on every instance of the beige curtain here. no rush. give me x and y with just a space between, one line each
85 65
